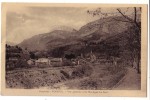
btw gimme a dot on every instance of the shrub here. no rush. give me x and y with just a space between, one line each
21 63
83 70
65 74
67 63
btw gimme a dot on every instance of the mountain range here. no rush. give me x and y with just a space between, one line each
69 39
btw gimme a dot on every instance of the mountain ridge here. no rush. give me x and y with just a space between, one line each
93 32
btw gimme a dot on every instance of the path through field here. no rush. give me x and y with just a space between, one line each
131 81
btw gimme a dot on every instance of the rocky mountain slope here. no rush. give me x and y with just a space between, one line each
72 40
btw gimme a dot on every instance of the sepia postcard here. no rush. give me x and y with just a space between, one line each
74 49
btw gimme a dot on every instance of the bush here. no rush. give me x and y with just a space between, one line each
65 74
21 63
83 70
67 63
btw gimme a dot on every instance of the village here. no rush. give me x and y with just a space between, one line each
68 60
22 71
16 55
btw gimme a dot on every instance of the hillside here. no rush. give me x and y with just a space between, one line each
47 40
103 28
76 41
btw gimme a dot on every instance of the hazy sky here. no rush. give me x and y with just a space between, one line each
23 23
26 22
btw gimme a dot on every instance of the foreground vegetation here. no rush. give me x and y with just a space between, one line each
85 76
103 77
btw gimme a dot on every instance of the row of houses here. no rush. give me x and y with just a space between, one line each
46 62
57 62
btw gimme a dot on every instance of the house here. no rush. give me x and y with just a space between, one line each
43 62
56 59
48 62
56 62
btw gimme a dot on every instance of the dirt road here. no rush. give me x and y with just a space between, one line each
131 81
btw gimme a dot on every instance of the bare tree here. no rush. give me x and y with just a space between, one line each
134 33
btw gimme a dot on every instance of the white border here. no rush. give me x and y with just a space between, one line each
79 98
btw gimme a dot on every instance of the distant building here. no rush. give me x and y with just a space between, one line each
48 62
56 62
43 62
